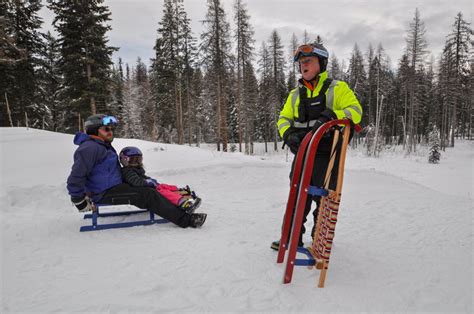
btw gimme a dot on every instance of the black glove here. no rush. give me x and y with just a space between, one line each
292 139
325 116
83 204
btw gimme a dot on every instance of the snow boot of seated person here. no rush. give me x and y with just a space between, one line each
190 205
197 220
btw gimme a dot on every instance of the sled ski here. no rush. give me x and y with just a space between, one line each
96 214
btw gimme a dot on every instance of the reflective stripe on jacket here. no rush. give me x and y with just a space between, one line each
339 98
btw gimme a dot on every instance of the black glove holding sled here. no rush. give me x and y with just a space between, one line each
292 140
325 116
83 204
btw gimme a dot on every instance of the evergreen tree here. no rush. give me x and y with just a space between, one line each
21 60
10 53
116 107
416 51
383 90
162 86
434 154
203 128
138 111
126 121
334 68
172 69
446 86
216 58
458 53
251 106
50 83
191 95
264 117
428 110
205 111
144 111
357 78
292 75
399 122
244 38
85 55
371 84
278 90
318 40
233 112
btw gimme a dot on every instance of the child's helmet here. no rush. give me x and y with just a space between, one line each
131 156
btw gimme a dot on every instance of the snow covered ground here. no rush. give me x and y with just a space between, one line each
403 241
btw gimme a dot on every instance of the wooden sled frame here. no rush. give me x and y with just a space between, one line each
318 254
96 214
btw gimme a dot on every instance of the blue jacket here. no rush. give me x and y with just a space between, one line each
96 168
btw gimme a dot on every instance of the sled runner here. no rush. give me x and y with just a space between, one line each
318 254
96 214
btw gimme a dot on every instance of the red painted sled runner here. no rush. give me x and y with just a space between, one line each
318 254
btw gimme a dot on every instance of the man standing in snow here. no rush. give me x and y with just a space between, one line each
96 177
316 100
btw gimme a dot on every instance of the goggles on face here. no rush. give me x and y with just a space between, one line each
308 51
134 161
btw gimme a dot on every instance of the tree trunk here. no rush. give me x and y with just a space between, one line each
8 111
453 124
188 105
239 108
223 121
92 99
219 116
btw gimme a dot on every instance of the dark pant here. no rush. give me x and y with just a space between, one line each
321 163
146 198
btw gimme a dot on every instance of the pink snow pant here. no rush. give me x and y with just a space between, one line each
170 192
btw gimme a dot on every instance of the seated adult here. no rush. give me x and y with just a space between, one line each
96 177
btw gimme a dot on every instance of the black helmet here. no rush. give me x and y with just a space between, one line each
315 49
93 123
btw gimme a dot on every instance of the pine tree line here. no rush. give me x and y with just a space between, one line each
402 106
222 90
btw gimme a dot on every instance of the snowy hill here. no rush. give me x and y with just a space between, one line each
403 241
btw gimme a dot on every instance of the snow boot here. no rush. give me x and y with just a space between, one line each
197 220
190 205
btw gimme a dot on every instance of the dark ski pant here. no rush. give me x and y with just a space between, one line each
146 198
321 163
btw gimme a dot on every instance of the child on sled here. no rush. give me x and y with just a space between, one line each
133 173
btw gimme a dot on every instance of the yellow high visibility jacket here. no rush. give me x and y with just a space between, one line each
339 98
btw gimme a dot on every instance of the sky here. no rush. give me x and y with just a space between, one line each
340 23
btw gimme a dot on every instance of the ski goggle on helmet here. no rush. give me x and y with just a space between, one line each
310 50
131 156
109 121
93 123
